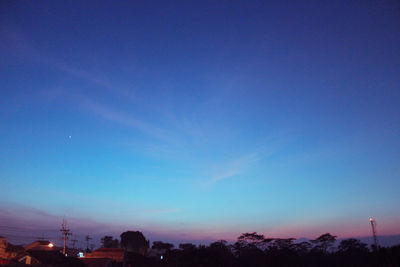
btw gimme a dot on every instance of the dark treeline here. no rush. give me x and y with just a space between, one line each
252 249
249 250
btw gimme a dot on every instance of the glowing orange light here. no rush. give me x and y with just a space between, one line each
51 245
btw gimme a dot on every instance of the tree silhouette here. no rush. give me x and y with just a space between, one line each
220 244
252 240
302 248
352 245
162 245
277 252
134 241
282 243
324 242
187 246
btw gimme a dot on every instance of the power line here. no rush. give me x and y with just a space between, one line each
87 238
73 242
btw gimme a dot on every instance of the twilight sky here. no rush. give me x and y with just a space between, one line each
200 119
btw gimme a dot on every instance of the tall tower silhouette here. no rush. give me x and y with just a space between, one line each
373 226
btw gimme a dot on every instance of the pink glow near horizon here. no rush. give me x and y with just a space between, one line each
40 220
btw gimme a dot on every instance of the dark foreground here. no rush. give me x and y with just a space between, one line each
250 250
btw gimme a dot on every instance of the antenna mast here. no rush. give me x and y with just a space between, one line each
373 226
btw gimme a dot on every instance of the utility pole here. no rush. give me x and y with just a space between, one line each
66 233
373 226
88 238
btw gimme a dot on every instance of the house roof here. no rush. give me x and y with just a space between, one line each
40 244
52 257
45 257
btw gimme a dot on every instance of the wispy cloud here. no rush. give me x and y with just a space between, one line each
266 148
197 126
234 167
128 120
17 44
98 81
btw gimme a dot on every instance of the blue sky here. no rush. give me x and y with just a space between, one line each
203 119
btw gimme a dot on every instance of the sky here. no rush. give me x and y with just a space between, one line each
200 120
